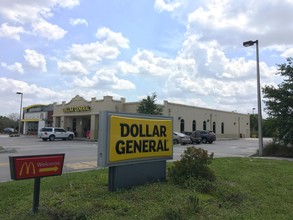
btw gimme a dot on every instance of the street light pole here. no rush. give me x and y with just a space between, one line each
19 123
260 138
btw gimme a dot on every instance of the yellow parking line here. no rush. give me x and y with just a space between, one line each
4 164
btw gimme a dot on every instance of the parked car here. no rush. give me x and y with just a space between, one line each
207 136
188 133
195 137
8 130
52 133
180 138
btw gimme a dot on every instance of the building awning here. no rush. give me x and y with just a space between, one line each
30 120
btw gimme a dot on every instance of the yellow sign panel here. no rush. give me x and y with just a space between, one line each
137 138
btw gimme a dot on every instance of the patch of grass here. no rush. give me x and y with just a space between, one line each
245 188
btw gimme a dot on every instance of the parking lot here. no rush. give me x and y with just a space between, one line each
82 155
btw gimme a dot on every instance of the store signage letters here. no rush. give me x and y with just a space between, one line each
134 138
77 109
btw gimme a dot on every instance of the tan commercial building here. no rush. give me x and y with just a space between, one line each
82 117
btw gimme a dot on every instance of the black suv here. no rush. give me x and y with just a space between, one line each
195 137
207 136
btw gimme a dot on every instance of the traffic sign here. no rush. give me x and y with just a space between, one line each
34 166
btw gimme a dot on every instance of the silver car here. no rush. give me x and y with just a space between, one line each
180 138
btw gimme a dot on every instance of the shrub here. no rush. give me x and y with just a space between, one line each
278 150
193 164
193 204
200 185
171 214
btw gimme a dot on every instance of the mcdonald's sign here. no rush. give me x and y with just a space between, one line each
26 167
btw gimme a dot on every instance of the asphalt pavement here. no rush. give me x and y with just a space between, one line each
82 154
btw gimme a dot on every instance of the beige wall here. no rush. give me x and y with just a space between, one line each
235 124
89 119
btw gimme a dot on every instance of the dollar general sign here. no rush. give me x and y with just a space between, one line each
134 138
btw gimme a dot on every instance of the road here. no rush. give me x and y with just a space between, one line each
82 155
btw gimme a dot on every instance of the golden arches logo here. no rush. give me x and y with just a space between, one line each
27 167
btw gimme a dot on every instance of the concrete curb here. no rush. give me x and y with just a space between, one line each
4 150
274 158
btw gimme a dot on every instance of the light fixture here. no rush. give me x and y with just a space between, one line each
19 123
260 138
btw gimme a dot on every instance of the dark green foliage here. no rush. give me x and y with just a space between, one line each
8 122
148 106
279 103
193 164
278 150
193 204
269 127
253 125
171 214
200 185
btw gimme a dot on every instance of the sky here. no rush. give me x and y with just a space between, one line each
186 51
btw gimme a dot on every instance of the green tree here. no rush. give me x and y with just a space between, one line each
279 103
8 122
148 106
268 127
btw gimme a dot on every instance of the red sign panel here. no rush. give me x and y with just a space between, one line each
25 167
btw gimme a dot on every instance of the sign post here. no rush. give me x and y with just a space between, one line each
36 166
36 199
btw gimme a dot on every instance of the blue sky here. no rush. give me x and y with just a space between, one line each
186 51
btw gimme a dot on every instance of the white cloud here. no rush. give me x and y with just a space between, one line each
146 63
48 30
36 60
106 48
27 89
71 67
16 67
217 16
126 68
104 79
33 13
92 53
84 82
67 3
78 21
166 5
231 22
107 78
287 53
112 39
30 11
11 31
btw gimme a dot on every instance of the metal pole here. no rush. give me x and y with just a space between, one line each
36 197
19 123
260 138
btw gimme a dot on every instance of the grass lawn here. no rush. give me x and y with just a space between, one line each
245 188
